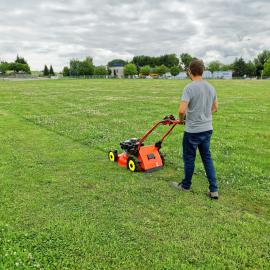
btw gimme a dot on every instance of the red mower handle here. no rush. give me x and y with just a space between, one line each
168 120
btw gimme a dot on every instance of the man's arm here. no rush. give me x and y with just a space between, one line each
182 110
215 106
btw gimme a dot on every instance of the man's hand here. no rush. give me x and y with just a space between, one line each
215 106
182 110
181 122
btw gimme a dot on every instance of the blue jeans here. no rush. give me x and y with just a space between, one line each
192 141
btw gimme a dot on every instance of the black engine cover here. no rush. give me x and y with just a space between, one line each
131 146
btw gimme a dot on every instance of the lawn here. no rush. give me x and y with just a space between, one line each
63 205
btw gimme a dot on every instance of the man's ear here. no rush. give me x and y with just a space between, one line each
189 74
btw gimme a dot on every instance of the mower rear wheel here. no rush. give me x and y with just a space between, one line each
133 164
113 156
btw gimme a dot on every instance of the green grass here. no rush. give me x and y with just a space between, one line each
63 205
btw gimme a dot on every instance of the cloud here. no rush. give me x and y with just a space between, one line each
53 32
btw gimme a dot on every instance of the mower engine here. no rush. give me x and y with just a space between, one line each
131 146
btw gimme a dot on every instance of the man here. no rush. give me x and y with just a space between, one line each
198 102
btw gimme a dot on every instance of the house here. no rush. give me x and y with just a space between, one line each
117 71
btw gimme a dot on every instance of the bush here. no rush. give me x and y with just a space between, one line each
101 70
145 70
175 70
130 70
161 70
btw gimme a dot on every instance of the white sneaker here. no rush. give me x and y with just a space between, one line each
179 187
213 195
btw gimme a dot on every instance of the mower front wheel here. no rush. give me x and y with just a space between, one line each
133 164
113 156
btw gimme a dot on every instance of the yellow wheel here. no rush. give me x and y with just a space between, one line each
112 155
133 164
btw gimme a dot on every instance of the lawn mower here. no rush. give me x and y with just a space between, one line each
139 157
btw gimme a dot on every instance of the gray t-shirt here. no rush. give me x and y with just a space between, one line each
200 96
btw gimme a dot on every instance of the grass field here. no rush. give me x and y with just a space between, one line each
63 205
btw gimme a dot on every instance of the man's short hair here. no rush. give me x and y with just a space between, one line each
196 67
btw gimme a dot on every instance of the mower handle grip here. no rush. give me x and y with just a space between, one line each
171 122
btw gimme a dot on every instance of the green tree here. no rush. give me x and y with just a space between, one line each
142 60
65 71
86 66
250 69
168 60
79 68
161 70
239 67
18 67
226 67
25 68
266 68
130 69
175 70
101 70
14 66
145 70
4 66
260 60
74 67
51 72
20 60
214 66
22 65
46 71
186 60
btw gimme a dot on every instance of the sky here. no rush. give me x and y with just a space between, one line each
54 31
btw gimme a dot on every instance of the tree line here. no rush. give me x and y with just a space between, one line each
145 65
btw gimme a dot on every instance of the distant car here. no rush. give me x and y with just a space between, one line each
148 77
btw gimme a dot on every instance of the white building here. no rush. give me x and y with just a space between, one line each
117 71
181 76
222 75
227 75
207 74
